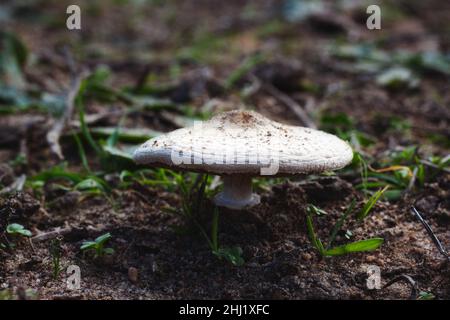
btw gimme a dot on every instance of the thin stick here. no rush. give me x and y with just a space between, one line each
17 185
412 181
51 234
55 132
292 105
430 232
432 165
409 280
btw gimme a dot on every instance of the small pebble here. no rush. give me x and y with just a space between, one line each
133 274
306 256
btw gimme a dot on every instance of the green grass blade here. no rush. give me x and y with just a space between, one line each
313 236
113 138
245 67
87 245
339 223
357 246
103 238
84 127
370 204
130 135
81 152
58 172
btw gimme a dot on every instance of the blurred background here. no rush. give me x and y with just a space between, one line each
148 67
217 54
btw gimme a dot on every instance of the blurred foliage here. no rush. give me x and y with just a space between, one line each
14 94
394 70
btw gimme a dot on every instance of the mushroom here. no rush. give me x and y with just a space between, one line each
238 145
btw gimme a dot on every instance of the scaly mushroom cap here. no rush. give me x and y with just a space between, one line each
245 142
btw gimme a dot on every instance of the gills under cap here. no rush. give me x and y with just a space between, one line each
238 145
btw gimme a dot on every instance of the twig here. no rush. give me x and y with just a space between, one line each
31 245
409 280
432 165
55 132
291 104
412 181
430 232
51 234
254 87
94 118
17 185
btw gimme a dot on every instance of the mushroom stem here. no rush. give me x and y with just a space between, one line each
237 193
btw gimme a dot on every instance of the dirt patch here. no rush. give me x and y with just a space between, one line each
280 262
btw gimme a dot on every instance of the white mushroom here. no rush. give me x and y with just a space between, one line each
239 145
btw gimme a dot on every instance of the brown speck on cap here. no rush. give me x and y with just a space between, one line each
297 150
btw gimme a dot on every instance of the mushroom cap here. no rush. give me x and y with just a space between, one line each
245 142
